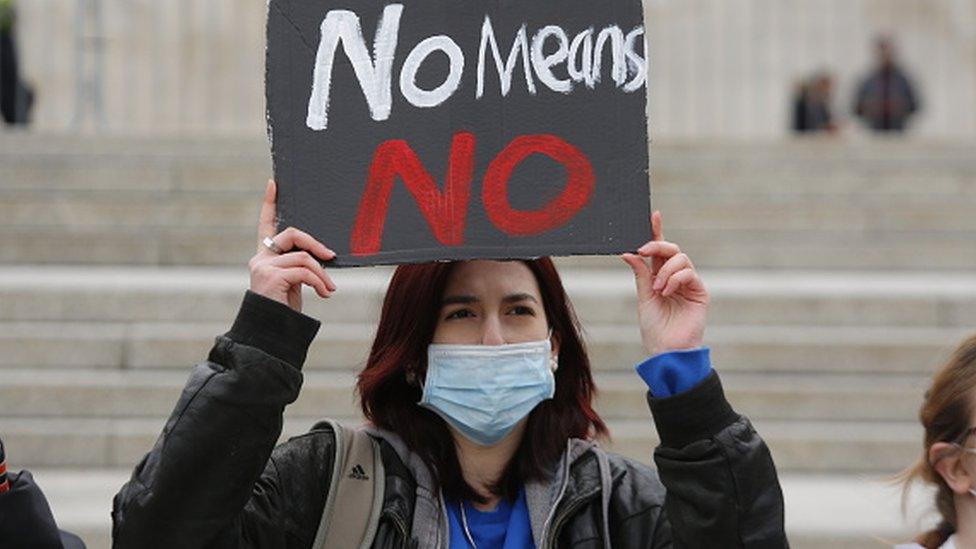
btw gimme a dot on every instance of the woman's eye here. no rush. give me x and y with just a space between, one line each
460 313
522 310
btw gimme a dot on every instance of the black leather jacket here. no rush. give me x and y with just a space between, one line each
214 478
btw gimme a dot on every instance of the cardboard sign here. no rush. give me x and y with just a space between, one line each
459 129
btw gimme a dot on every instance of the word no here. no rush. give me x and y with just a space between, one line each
446 212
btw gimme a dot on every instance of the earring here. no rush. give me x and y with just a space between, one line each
411 377
554 363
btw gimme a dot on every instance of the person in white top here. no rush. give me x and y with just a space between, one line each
949 544
948 460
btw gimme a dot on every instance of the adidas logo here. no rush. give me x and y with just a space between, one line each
358 473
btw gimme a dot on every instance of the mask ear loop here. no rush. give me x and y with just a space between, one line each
965 450
553 358
412 377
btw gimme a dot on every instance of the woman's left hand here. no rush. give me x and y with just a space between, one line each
672 301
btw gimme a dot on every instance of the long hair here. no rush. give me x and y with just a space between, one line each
945 416
389 400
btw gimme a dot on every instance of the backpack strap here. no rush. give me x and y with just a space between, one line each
352 509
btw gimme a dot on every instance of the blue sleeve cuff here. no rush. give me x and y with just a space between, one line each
669 374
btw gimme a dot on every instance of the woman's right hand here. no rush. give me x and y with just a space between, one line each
280 276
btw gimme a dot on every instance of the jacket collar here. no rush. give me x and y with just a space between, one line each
430 526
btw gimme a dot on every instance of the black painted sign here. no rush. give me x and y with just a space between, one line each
457 129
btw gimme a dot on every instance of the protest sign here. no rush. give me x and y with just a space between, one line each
457 129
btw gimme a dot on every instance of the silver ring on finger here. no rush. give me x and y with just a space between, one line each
270 244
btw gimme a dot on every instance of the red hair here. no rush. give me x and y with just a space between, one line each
406 328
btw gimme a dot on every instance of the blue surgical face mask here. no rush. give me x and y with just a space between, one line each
483 391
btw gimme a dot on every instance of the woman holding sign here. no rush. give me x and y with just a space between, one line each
478 395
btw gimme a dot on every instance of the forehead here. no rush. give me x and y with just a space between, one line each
487 278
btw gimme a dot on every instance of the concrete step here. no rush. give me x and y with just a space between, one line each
807 446
781 157
29 393
796 446
151 395
935 182
66 162
164 246
716 248
857 213
815 216
244 174
875 205
120 210
602 293
806 158
838 249
133 295
882 350
837 511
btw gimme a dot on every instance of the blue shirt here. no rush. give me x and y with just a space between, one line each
505 527
508 525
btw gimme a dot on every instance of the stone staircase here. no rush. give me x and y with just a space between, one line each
898 205
842 275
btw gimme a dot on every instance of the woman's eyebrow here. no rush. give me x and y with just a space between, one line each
514 298
467 299
458 299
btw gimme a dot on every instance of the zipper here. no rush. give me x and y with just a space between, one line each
401 526
560 521
562 491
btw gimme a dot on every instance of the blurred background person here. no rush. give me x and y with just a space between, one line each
886 98
15 96
948 462
25 516
812 105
